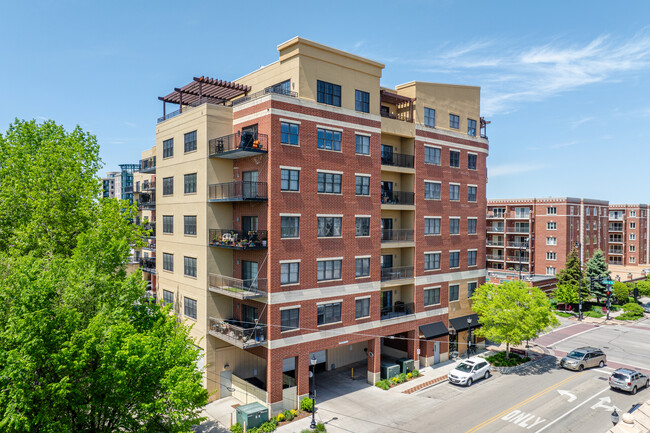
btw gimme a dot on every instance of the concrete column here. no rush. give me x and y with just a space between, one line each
412 346
302 375
274 383
374 361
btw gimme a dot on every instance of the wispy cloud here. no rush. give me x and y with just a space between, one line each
510 169
132 125
584 119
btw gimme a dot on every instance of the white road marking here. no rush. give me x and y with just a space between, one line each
601 402
572 336
571 396
571 410
522 419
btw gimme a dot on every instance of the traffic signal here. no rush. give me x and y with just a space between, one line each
608 293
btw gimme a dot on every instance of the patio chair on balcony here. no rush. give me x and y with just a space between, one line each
247 140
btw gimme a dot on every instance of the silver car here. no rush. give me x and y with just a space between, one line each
628 380
584 357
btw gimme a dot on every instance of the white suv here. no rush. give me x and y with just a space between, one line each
470 370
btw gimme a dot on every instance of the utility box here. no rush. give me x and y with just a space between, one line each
389 370
406 365
252 415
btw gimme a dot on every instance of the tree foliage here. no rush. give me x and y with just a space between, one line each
620 292
511 312
566 294
573 276
597 268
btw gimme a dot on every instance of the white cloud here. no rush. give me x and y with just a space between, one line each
511 169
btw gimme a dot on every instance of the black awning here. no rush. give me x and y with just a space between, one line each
433 330
460 323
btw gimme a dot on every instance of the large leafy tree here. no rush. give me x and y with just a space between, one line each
573 276
512 312
596 270
79 348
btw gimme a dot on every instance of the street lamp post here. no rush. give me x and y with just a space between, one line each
523 246
579 287
469 336
312 361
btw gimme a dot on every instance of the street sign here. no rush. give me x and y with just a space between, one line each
608 282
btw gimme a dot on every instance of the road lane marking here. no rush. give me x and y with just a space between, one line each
522 419
572 336
528 400
571 396
601 402
571 410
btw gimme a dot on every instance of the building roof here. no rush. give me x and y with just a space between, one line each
205 89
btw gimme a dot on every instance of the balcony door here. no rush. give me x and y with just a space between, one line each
386 154
248 316
250 179
249 224
386 261
386 192
386 301
249 274
386 228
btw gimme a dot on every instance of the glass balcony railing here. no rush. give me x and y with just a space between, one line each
236 287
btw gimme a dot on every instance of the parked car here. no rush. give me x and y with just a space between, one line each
469 370
646 307
628 380
584 357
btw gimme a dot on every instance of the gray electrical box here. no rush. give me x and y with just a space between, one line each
389 370
406 365
252 415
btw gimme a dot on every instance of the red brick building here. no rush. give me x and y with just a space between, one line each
628 234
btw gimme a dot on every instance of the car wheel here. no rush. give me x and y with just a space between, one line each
634 390
487 374
582 367
469 382
601 364
647 383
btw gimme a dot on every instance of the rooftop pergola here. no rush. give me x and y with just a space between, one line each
401 102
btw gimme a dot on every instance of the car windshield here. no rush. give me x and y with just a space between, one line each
619 376
576 355
466 368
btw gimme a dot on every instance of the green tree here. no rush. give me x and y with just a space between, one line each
511 312
573 276
620 292
597 268
566 294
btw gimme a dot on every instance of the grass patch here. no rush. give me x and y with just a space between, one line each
563 314
499 359
595 314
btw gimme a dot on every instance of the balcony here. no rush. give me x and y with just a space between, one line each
149 186
237 239
148 264
518 215
235 333
276 90
397 235
495 229
147 201
495 216
616 217
128 189
151 246
515 244
396 273
494 243
237 288
397 198
148 165
239 145
616 227
524 259
518 229
398 309
237 191
151 229
397 160
498 257
615 240
403 106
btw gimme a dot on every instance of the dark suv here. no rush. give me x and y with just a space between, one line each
584 357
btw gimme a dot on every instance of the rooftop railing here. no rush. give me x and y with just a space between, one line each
269 90
238 191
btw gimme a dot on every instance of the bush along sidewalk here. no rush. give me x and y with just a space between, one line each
499 359
401 378
631 311
283 418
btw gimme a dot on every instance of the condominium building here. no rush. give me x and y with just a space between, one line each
305 212
535 235
144 193
108 184
629 243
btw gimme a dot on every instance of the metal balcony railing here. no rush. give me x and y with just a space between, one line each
403 116
397 197
148 165
518 230
238 191
237 239
245 143
497 229
397 160
150 246
148 264
515 244
397 235
237 333
269 90
491 215
128 189
151 229
494 243
149 186
397 310
396 273
494 257
524 259
237 288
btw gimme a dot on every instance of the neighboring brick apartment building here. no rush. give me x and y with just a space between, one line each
629 243
542 232
305 211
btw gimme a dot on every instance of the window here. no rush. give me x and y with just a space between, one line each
289 133
471 258
329 183
361 101
454 192
168 297
330 140
587 211
328 93
431 296
632 225
289 273
189 224
431 261
190 141
632 213
429 117
363 185
329 313
454 259
329 270
454 226
632 260
168 224
329 227
454 294
454 121
471 193
550 270
362 308
190 308
289 227
363 267
551 210
283 88
632 236
454 158
551 226
471 288
471 161
431 190
471 226
363 144
168 148
551 256
168 262
190 266
632 248
551 241
189 183
289 319
168 185
431 155
431 226
471 127
289 180
362 226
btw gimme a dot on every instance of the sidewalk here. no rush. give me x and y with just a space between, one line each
430 376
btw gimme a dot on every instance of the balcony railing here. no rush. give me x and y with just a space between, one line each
148 165
494 243
616 217
616 227
149 186
397 197
150 246
515 244
241 335
491 215
397 235
494 257
615 251
147 201
518 215
518 230
269 90
239 145
524 259
497 229
148 264
616 240
397 310
238 191
237 239
396 273
128 189
397 160
237 288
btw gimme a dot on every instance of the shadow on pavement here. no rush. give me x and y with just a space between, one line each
541 366
210 426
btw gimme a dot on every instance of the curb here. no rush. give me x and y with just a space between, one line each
427 384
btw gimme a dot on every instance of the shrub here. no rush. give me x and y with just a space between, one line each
383 384
620 292
237 428
415 373
253 430
409 375
627 316
401 378
320 428
286 415
267 427
632 309
280 417
306 404
553 302
294 412
499 359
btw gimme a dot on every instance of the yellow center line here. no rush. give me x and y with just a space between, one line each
528 400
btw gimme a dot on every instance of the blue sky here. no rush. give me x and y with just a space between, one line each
565 84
